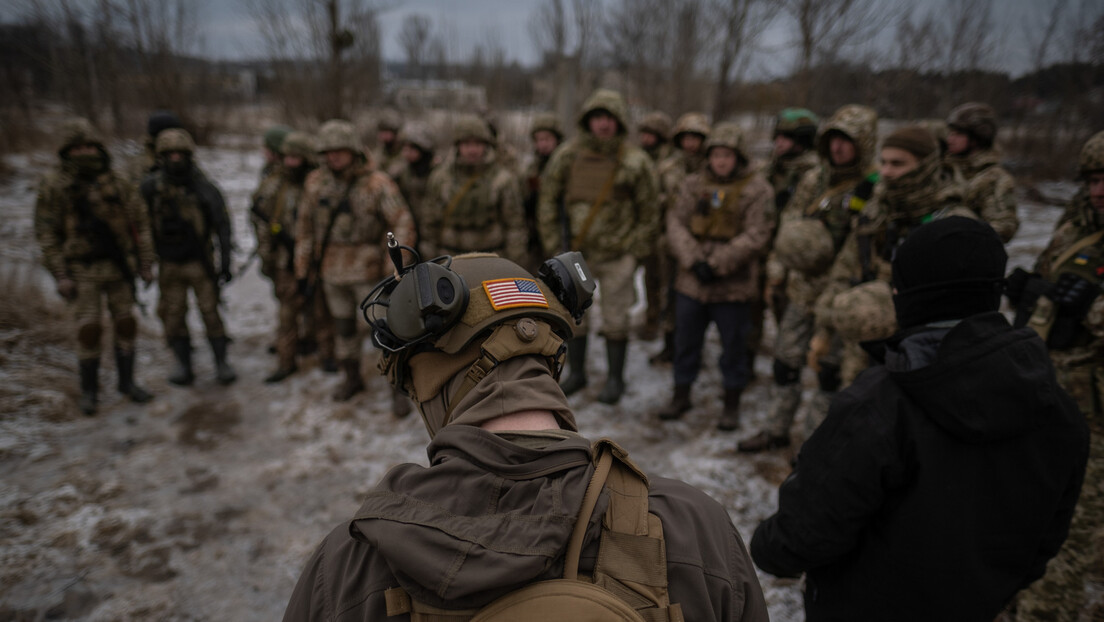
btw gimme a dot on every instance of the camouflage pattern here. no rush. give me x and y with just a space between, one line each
1091 158
174 280
337 134
805 246
471 127
977 120
67 208
388 157
174 139
628 220
300 144
657 123
864 312
988 189
785 173
690 123
796 122
548 122
618 295
274 137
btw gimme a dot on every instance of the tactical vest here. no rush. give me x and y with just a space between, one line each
471 205
839 205
717 215
591 174
1063 328
180 223
97 226
630 574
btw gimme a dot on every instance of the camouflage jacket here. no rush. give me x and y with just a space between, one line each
659 153
413 184
626 223
275 212
988 189
474 208
672 172
85 227
389 161
359 207
727 224
184 217
784 175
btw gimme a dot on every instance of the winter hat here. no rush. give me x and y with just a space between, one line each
948 269
914 139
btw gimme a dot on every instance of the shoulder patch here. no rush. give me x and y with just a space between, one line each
510 293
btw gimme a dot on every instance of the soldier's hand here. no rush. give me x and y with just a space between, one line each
818 349
67 288
704 272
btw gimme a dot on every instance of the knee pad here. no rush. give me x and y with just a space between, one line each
88 335
126 328
784 374
829 377
345 327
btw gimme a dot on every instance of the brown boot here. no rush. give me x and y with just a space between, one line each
730 416
353 383
763 441
679 404
400 404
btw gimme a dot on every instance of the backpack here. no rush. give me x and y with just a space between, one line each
630 574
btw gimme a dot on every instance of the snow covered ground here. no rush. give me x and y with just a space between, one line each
204 504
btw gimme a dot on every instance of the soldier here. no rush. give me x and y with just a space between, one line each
270 148
147 161
1070 316
813 227
94 237
502 510
472 202
275 213
598 196
388 154
546 134
186 210
690 132
653 133
418 151
717 230
989 188
795 131
347 209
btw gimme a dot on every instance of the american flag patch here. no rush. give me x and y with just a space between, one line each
508 293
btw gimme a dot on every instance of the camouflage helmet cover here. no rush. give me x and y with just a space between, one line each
865 312
418 135
976 119
657 123
796 122
727 135
389 120
471 127
859 124
274 137
804 245
608 100
337 134
691 123
1092 155
299 144
546 122
174 139
78 131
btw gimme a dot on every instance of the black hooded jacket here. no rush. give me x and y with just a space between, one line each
939 484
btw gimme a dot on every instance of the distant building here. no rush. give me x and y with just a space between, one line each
437 94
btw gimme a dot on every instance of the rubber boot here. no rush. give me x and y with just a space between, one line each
400 404
124 365
615 380
182 374
679 404
730 416
576 362
224 373
89 385
667 354
353 383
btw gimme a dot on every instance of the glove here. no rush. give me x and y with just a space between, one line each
818 349
1074 295
225 276
1015 283
67 288
704 272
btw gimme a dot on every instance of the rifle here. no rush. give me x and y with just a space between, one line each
315 266
106 244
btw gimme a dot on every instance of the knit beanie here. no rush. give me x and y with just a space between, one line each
948 269
914 139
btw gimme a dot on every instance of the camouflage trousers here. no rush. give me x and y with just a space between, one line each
316 323
87 309
616 295
790 348
175 279
344 304
1060 596
290 301
659 273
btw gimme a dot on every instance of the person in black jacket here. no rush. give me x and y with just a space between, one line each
943 479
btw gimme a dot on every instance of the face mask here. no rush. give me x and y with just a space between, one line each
89 165
178 168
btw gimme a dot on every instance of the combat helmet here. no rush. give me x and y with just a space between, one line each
418 135
859 124
174 139
727 135
337 134
804 245
864 312
78 131
799 124
299 144
274 137
690 123
547 122
389 120
471 127
657 123
609 100
976 119
1092 155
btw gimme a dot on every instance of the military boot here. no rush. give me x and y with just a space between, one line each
679 404
124 365
576 362
615 381
224 373
353 383
281 374
400 404
730 416
667 354
182 373
89 385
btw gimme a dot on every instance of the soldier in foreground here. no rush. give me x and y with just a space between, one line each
988 188
598 196
717 231
1070 316
186 212
945 477
146 162
347 208
95 236
513 496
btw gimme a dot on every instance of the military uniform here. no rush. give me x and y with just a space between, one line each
341 239
146 162
186 210
474 208
95 236
717 230
534 168
658 124
388 156
988 188
813 227
599 196
412 178
1073 325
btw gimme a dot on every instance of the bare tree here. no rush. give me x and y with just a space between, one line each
739 25
567 44
414 38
